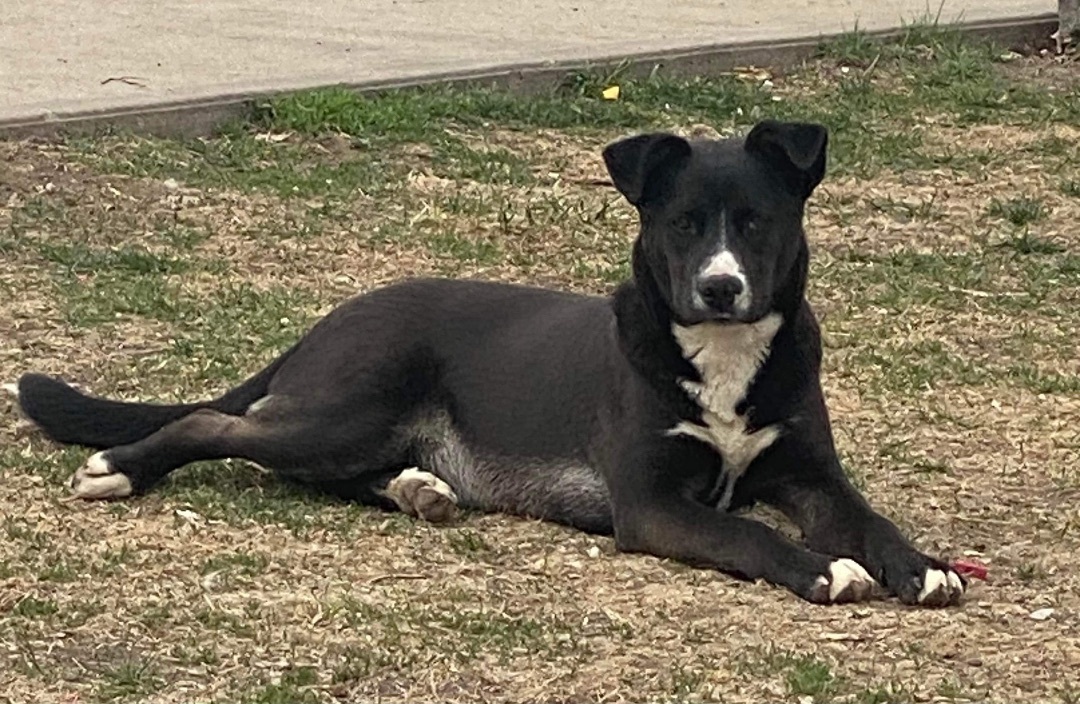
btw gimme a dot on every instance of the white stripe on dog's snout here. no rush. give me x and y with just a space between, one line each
724 263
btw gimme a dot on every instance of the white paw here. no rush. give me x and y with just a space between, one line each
23 425
847 581
422 494
97 480
940 588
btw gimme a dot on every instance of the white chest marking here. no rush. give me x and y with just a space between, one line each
727 357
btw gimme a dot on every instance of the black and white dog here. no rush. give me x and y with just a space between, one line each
653 414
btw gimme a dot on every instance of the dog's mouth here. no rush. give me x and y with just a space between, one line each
725 318
696 313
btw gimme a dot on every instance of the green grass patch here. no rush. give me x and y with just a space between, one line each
467 542
34 608
239 493
248 564
809 677
456 160
62 570
54 465
462 248
240 160
223 331
78 258
422 114
238 625
1005 278
294 688
1028 243
803 675
127 681
18 530
1019 211
109 295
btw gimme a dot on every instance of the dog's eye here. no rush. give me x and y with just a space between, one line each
683 223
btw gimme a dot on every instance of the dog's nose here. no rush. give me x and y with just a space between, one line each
719 292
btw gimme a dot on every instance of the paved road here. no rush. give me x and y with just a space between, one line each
60 57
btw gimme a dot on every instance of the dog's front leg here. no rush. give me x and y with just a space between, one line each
807 483
649 519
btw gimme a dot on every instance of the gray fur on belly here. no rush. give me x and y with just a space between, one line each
563 490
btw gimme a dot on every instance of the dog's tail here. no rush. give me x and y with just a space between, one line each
69 416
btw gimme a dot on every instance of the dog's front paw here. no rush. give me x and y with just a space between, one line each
97 479
927 582
940 587
845 582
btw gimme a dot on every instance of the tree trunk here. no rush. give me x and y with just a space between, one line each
1068 23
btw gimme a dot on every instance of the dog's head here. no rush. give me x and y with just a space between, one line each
721 220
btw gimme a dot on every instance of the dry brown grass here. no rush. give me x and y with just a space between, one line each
246 591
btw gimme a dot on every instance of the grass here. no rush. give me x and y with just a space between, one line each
245 563
808 677
467 542
79 259
127 681
60 571
805 677
1018 211
32 607
946 274
292 689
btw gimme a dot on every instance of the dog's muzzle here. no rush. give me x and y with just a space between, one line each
721 295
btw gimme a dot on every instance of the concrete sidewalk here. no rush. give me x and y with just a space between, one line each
60 58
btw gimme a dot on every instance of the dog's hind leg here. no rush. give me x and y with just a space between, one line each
298 450
136 467
305 446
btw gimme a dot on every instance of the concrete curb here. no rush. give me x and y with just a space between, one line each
193 118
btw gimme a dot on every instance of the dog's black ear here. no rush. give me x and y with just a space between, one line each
797 147
636 162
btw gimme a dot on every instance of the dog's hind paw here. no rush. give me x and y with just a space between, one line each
846 582
940 588
422 495
97 480
23 425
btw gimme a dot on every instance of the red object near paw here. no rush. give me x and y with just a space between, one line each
970 568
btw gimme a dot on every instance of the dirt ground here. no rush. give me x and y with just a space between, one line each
949 298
